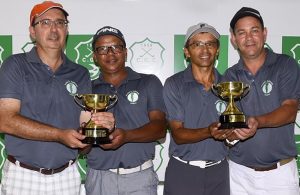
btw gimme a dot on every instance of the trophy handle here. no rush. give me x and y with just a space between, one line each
214 90
114 98
77 100
246 91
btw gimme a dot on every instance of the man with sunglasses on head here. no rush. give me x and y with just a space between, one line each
37 110
125 165
197 162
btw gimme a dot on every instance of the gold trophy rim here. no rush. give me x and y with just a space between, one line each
107 105
232 91
109 101
245 89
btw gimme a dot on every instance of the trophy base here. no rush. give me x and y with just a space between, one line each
96 136
233 121
233 125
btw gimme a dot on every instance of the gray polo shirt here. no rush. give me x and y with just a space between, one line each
137 96
277 80
46 97
188 102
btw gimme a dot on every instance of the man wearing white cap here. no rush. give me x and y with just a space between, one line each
198 162
37 111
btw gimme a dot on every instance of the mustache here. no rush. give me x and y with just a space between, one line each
53 35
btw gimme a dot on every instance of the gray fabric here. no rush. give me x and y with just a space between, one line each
186 179
188 102
44 97
281 73
200 28
108 183
129 114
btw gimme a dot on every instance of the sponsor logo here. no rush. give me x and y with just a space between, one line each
79 49
109 30
1 58
28 46
268 46
146 56
132 97
158 160
180 63
297 138
2 153
81 162
296 52
291 47
267 87
220 106
71 86
5 47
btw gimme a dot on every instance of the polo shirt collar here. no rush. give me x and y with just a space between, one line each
33 57
270 59
188 75
132 75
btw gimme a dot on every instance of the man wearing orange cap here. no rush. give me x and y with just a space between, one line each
37 111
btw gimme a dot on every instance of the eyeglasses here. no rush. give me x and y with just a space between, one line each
103 50
47 23
200 44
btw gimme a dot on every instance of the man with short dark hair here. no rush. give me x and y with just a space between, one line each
198 162
263 161
125 165
38 113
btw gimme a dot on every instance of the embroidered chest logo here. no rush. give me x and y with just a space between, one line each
220 106
71 86
132 97
267 87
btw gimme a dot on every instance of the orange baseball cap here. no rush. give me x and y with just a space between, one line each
40 9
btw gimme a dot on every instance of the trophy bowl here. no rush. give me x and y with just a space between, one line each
231 91
95 134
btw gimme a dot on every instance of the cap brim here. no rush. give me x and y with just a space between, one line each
52 7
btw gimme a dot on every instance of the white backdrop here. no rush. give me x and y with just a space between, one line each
159 21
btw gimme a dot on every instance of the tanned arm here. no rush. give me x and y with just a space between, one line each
11 122
182 135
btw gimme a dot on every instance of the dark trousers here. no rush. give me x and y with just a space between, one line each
185 179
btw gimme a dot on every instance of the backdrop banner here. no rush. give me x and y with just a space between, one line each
154 32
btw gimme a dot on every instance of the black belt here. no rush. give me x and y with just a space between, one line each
40 170
272 167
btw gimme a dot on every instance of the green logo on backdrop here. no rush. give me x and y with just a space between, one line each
147 56
79 50
5 51
159 158
28 46
5 47
291 47
297 137
180 63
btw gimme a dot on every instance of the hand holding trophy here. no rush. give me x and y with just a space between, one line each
232 117
95 134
